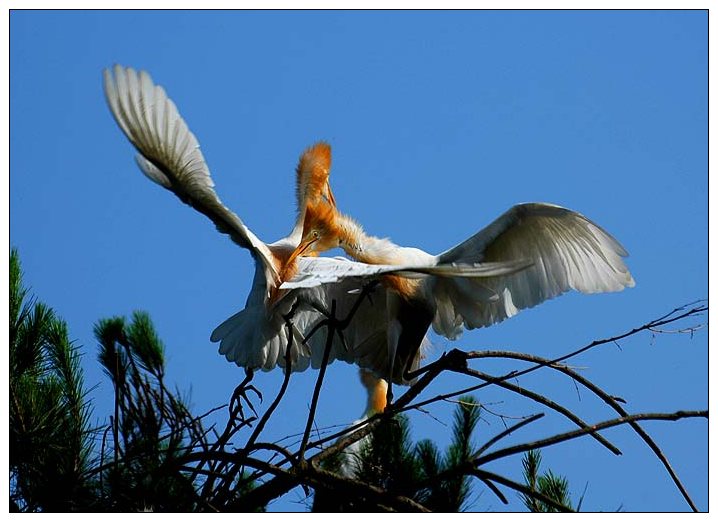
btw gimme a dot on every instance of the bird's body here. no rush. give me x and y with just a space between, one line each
560 250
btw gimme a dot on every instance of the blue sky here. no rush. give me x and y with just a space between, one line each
439 122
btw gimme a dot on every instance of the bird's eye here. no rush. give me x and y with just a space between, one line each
315 234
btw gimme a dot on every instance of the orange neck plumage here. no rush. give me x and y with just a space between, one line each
376 390
372 250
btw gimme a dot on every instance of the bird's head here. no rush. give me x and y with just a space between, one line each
320 232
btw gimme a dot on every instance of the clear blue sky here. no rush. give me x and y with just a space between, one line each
439 122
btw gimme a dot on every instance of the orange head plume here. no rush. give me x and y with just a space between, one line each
313 170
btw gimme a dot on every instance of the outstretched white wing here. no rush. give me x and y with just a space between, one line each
316 271
169 153
567 251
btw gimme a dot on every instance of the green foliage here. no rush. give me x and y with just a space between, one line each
386 458
53 463
50 434
148 349
151 427
548 484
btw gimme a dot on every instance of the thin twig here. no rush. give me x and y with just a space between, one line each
541 399
542 443
285 383
612 401
495 490
665 319
275 447
285 480
320 379
506 432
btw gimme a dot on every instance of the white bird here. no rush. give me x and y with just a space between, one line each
256 337
564 251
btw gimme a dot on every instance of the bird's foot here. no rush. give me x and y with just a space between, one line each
241 393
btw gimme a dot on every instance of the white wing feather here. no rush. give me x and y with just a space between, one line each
316 271
169 153
567 251
257 337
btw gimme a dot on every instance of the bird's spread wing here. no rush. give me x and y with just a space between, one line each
567 251
169 153
316 271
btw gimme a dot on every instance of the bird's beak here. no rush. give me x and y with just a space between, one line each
330 196
301 249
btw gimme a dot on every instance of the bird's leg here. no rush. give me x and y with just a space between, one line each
240 392
393 332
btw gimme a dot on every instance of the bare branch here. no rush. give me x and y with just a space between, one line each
546 402
542 443
612 401
508 431
320 379
456 355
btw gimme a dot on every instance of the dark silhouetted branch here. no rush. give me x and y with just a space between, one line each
542 443
608 399
546 402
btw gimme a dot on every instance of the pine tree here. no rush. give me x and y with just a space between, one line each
548 484
387 459
50 433
54 465
151 427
